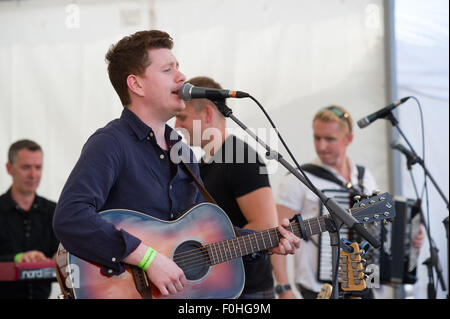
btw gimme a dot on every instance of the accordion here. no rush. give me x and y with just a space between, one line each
324 264
398 258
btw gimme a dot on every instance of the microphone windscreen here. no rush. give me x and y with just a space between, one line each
184 92
362 123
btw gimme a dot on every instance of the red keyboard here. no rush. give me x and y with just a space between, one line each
11 271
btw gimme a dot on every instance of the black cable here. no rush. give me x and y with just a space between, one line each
314 189
425 190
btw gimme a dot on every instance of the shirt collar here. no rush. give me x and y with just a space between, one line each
142 130
10 204
139 128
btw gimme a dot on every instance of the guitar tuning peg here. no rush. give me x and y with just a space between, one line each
357 198
385 222
376 192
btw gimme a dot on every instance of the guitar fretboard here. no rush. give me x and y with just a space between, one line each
245 245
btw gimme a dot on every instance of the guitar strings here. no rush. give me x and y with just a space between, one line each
314 228
199 263
216 252
199 257
241 238
216 249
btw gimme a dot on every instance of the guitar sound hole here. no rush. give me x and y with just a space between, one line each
192 258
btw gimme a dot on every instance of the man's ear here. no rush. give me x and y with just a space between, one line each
349 138
209 113
135 85
8 168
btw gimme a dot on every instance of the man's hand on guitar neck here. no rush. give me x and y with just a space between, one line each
163 272
289 243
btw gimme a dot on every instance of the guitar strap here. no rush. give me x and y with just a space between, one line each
141 282
206 195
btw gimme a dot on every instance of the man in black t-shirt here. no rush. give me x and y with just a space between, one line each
235 177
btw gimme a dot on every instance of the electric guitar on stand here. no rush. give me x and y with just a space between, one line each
202 242
351 274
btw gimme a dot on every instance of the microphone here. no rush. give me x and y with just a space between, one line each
188 92
362 123
403 149
411 158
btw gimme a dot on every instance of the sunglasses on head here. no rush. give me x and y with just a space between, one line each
341 114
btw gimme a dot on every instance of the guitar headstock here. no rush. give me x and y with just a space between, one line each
351 267
376 208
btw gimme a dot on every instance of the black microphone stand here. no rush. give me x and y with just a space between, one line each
445 221
390 116
338 214
433 260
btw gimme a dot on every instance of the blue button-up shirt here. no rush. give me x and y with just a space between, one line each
121 166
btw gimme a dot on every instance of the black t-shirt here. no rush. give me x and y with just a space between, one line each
236 170
22 231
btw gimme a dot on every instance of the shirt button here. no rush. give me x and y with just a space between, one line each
148 138
113 259
161 156
110 271
170 186
151 134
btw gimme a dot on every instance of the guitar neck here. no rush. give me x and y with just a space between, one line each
246 245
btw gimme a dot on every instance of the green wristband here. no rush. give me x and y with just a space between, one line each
17 257
148 258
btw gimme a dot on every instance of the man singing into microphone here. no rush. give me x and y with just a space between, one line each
127 165
333 134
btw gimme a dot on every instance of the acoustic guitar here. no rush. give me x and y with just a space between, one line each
202 242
